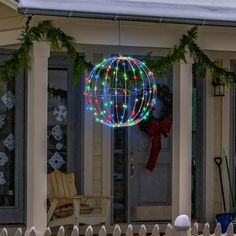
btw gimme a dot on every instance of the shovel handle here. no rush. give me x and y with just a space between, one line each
218 161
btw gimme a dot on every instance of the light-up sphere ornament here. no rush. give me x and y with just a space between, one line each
120 91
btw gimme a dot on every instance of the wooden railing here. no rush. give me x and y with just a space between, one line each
181 228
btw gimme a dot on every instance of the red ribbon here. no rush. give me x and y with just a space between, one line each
154 130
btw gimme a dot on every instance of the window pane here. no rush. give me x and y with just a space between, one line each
7 143
197 143
119 178
57 119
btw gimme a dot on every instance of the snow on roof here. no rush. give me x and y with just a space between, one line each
218 10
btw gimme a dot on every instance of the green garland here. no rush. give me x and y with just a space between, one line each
45 30
19 60
164 96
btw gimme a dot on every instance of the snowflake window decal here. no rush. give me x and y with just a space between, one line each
57 133
59 146
60 113
9 142
56 161
9 99
2 178
3 159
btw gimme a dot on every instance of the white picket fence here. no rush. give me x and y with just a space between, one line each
181 228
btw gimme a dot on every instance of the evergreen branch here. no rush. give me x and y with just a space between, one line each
45 30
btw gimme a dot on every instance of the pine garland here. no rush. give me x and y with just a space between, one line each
186 45
45 30
19 60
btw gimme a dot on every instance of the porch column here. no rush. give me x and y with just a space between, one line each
182 139
37 137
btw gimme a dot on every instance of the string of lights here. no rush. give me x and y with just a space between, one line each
120 91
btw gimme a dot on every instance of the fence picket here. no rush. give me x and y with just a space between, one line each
217 230
206 230
169 230
143 230
61 231
129 231
102 231
47 232
32 231
18 232
230 230
89 231
4 232
194 230
156 230
117 231
75 231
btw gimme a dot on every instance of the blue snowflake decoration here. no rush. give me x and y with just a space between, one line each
57 133
56 161
59 146
120 91
2 121
60 113
2 178
9 99
3 159
9 142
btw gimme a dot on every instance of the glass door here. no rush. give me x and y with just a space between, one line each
12 148
197 143
65 128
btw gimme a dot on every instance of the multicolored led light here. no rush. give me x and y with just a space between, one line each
120 91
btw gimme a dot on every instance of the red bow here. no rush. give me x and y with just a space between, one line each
155 129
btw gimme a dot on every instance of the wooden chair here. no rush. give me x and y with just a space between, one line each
66 207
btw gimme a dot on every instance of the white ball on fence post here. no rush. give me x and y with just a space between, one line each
182 225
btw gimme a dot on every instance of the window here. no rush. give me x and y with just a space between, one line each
65 119
12 146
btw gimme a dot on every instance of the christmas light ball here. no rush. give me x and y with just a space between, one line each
120 91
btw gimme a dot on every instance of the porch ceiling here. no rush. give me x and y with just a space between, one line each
181 11
10 3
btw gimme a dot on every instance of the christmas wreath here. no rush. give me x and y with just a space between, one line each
155 127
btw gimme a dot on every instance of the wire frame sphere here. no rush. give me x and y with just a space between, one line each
120 91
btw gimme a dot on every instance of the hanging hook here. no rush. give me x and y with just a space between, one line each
119 36
119 39
119 31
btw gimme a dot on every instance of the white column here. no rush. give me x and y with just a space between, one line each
182 139
37 137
